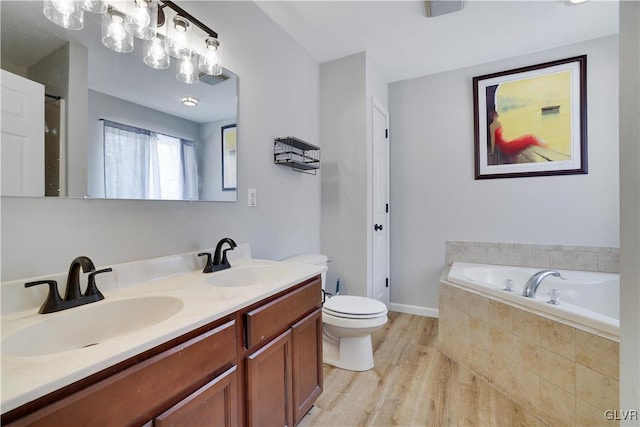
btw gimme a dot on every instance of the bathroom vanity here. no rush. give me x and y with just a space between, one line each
260 364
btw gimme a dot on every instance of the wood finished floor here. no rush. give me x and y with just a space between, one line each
412 384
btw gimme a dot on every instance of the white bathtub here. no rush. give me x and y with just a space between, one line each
590 299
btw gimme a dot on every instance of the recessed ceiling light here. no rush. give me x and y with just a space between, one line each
189 101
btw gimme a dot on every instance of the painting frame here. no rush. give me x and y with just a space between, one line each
229 144
566 119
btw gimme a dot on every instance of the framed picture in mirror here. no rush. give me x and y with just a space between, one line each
229 158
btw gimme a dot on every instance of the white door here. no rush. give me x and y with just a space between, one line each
21 136
380 230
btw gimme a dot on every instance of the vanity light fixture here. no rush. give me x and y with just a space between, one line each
165 29
190 101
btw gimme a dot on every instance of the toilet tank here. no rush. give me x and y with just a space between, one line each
315 259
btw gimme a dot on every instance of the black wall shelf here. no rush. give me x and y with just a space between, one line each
297 154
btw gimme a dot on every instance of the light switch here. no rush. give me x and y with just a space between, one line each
252 201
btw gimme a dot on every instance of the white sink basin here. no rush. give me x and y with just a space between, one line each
253 275
88 325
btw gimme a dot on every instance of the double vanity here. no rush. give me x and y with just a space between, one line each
168 345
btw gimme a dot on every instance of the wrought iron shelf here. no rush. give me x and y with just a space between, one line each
297 154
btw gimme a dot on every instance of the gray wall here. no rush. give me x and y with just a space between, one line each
629 206
278 96
435 197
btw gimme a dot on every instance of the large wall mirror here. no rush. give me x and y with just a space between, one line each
105 125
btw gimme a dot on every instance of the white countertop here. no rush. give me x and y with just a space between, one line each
25 378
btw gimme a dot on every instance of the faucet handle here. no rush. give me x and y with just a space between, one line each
208 268
92 293
53 301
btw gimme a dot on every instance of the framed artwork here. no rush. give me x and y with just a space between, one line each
532 121
229 158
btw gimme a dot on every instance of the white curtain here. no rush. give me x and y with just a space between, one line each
140 164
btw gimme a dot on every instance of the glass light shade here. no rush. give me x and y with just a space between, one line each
154 54
114 36
95 6
211 57
142 19
188 69
65 13
178 40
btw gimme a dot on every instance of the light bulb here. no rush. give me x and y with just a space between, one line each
178 38
142 19
116 29
65 13
114 36
64 6
211 58
188 70
155 56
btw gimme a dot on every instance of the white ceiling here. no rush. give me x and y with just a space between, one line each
404 43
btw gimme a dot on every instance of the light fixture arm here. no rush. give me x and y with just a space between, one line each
180 11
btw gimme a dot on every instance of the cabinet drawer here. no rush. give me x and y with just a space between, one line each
137 394
215 404
267 321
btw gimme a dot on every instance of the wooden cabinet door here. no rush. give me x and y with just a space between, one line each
268 394
214 405
306 348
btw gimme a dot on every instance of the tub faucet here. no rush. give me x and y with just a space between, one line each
220 261
534 281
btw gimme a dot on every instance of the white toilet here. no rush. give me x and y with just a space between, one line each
348 322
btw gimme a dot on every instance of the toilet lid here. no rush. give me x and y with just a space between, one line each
354 307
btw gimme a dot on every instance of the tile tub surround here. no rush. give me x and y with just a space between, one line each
586 258
563 375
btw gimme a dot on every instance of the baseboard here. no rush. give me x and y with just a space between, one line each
414 309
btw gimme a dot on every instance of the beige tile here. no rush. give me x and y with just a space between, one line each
558 370
458 322
446 294
479 332
477 306
526 354
527 325
538 258
501 315
598 354
558 338
585 260
557 405
609 262
458 300
501 342
561 259
589 416
479 359
525 388
596 389
499 372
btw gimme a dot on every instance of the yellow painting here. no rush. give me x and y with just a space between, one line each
531 120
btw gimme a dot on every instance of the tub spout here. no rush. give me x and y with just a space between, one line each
534 281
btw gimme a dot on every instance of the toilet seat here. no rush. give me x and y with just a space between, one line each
354 307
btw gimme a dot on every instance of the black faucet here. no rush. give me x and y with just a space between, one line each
220 261
73 296
208 267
